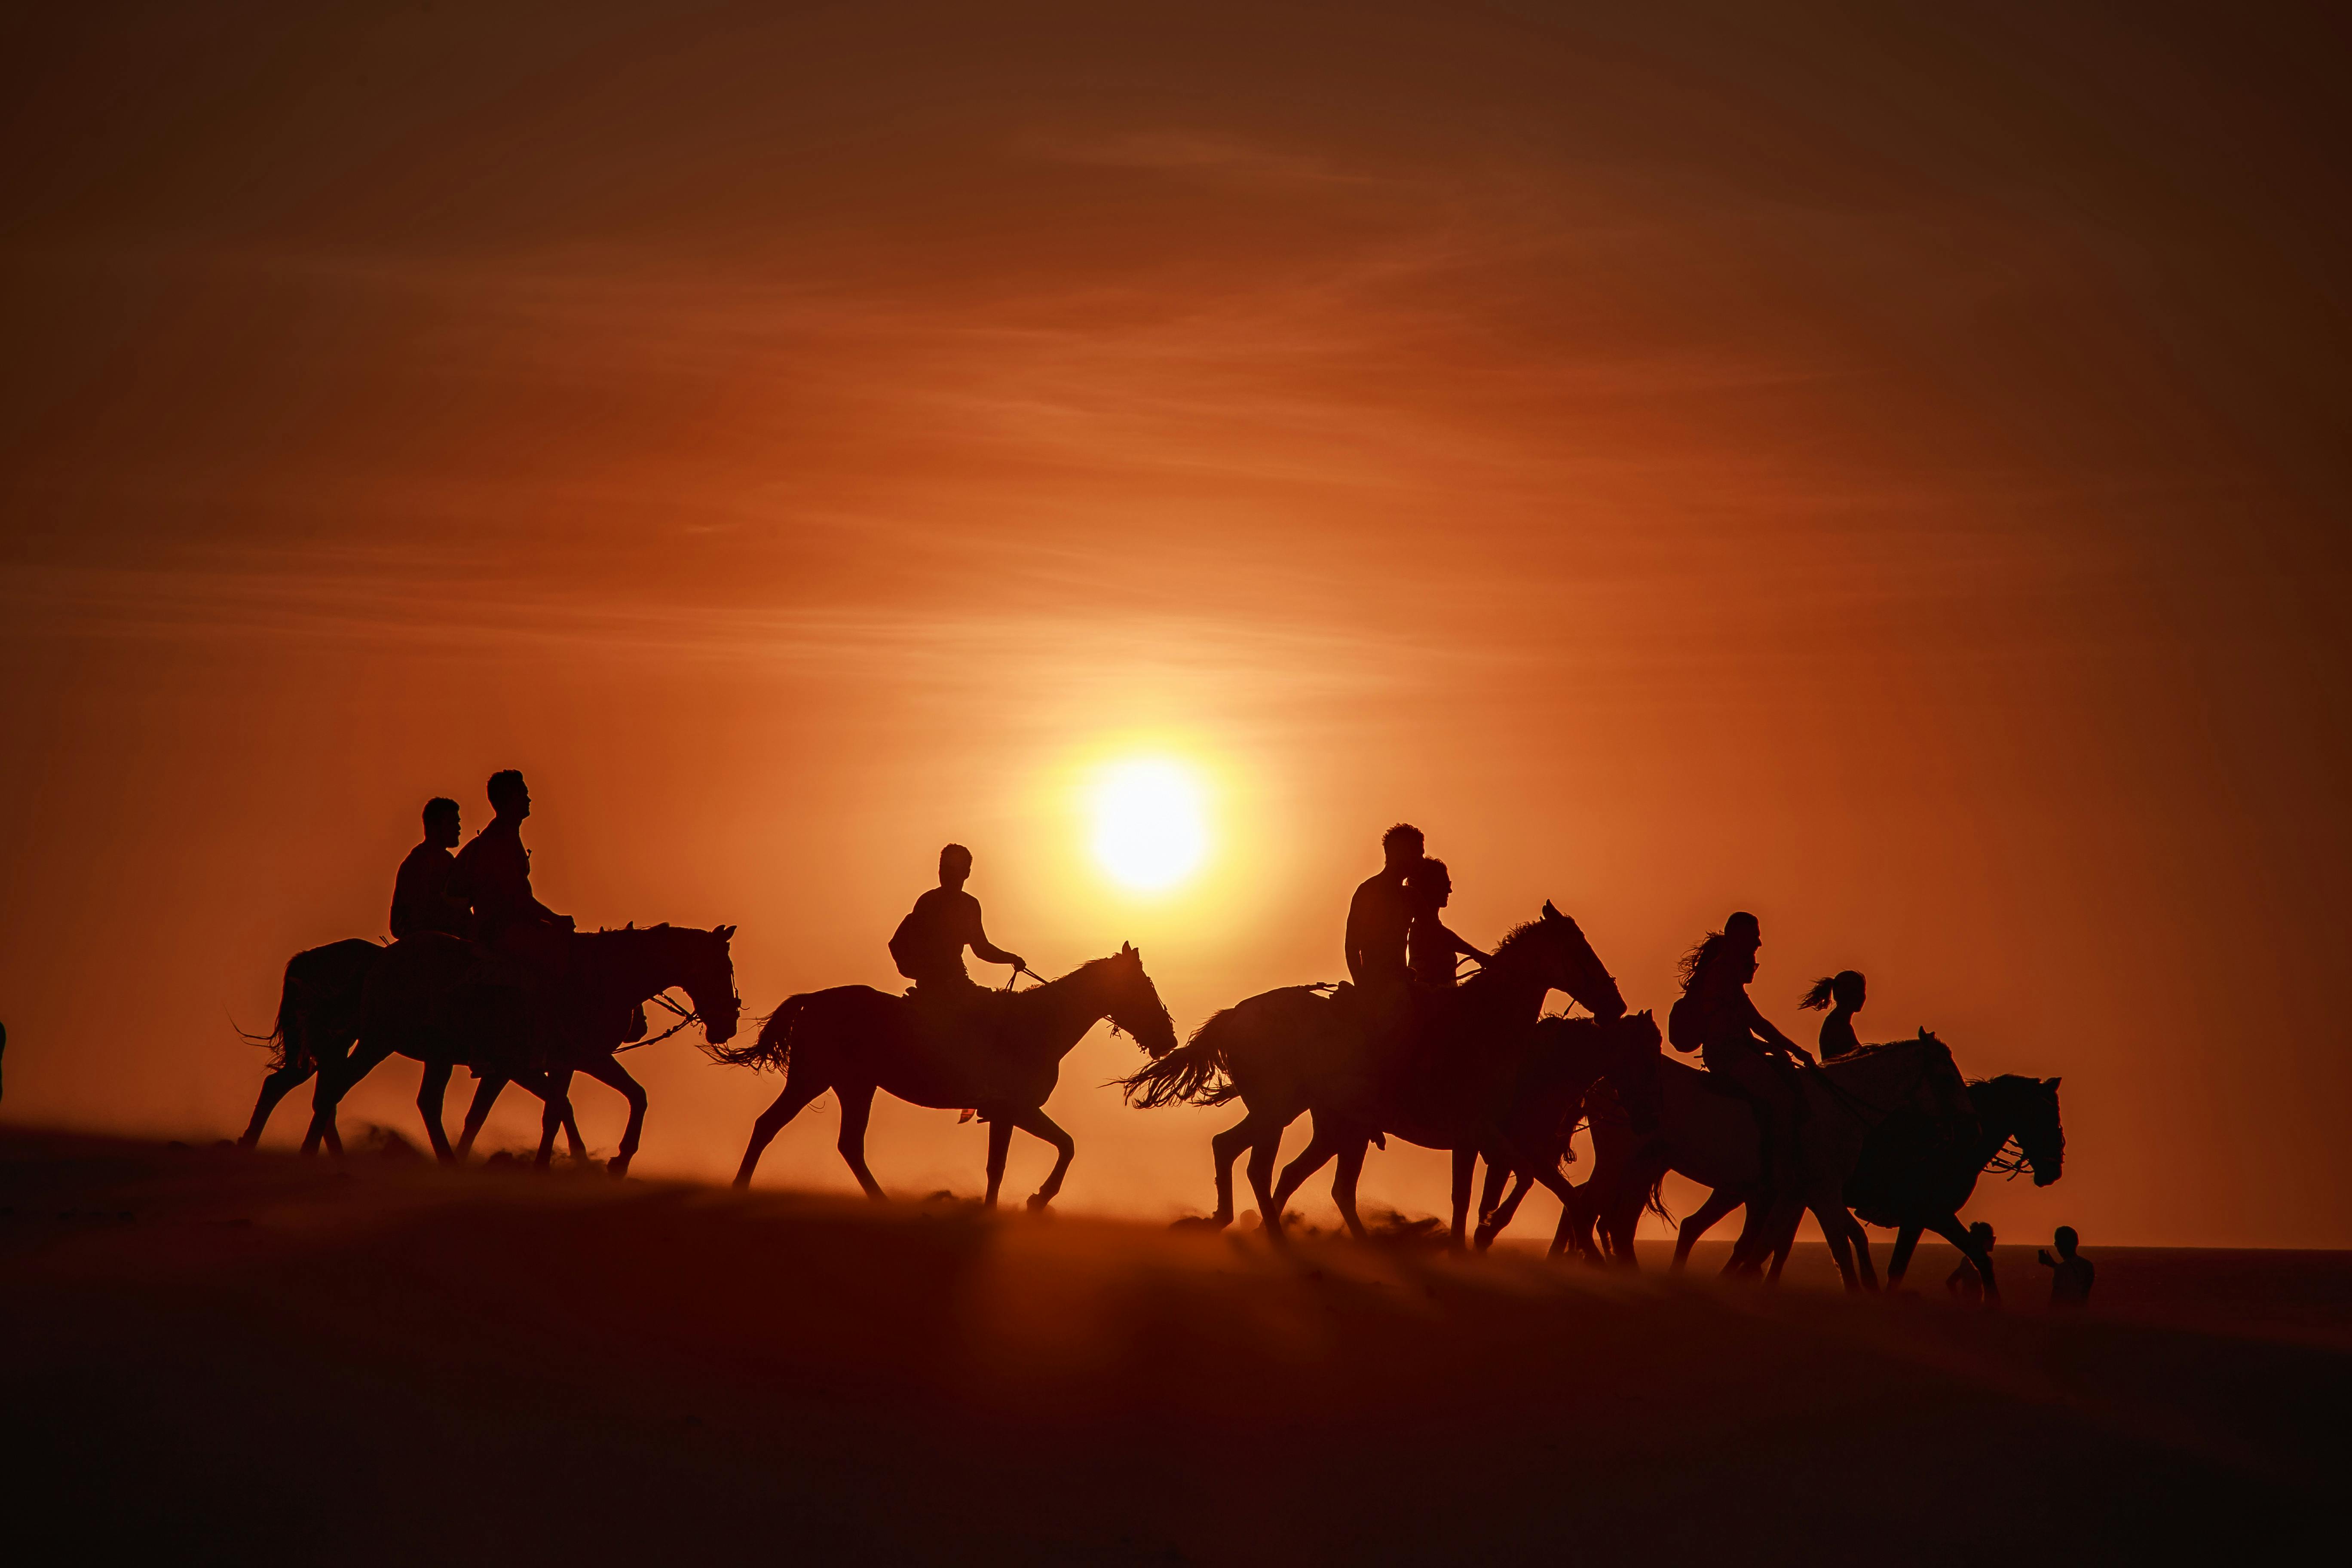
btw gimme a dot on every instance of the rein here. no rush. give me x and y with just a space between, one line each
685 1015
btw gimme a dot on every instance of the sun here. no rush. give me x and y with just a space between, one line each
1149 830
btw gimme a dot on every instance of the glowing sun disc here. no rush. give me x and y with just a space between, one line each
1149 831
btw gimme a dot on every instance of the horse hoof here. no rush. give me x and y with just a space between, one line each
1037 1203
617 1165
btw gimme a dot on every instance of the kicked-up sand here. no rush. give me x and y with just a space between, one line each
212 1356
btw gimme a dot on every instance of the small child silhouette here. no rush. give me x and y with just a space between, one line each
1964 1282
2070 1274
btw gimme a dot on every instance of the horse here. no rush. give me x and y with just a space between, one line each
1915 1176
618 976
1294 1050
1923 1183
1676 1119
854 1039
438 1000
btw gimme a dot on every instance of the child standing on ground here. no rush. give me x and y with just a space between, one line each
2070 1276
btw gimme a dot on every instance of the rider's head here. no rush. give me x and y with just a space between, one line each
441 822
1403 845
2067 1240
1981 1234
1844 988
1429 885
955 866
508 797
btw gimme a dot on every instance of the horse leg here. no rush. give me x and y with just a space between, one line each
1343 1186
800 1089
1949 1228
1840 1248
1498 1216
1490 1194
1701 1220
555 1109
1575 1211
1223 1150
857 1105
1000 1141
1465 1169
1263 1154
428 1102
1860 1238
608 1071
274 1087
1036 1123
333 1084
1311 1159
1899 1262
486 1094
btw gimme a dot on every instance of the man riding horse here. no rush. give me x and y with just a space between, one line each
928 947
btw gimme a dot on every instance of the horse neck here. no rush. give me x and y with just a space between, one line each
1073 1005
1512 990
641 963
1996 1117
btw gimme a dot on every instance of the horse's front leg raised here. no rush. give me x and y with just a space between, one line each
1036 1121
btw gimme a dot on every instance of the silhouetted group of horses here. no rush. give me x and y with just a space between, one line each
1893 1133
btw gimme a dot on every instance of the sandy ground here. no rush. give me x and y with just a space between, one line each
217 1357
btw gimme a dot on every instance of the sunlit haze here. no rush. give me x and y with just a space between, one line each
1879 467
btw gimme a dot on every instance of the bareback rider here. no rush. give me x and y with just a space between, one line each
1717 1019
929 944
423 896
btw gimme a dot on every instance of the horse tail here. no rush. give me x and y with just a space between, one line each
773 1047
285 1041
1193 1073
1658 1204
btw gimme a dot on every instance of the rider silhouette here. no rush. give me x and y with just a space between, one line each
1379 916
1846 990
423 896
494 877
1431 948
1740 1044
929 944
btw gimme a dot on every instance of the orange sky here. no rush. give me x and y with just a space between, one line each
1883 471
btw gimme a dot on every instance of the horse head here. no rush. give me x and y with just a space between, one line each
1134 1004
1568 961
2039 1132
710 980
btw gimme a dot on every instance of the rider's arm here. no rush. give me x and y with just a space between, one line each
986 951
1463 947
1765 1030
1355 938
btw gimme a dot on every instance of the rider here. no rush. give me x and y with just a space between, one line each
1379 916
1741 1044
1845 989
929 944
494 876
1432 948
424 897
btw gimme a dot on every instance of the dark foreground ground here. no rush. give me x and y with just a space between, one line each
212 1357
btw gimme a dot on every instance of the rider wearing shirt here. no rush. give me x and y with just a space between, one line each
1742 1045
494 877
1432 948
929 944
422 897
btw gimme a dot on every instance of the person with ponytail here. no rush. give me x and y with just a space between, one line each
1717 1019
1841 994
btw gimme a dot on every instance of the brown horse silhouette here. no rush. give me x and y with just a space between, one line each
854 1039
439 1000
317 1020
1293 1051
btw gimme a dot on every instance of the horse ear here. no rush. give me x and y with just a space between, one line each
1126 949
1549 913
2051 1084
